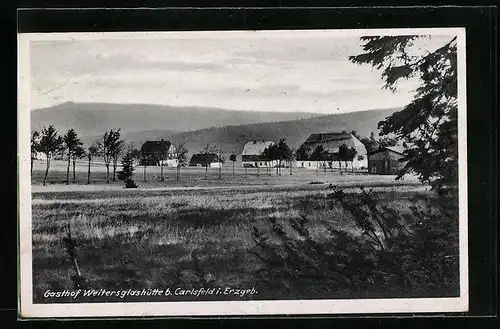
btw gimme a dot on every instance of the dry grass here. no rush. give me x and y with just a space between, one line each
144 239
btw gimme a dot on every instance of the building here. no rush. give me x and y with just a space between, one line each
156 153
251 156
200 160
331 142
333 163
386 161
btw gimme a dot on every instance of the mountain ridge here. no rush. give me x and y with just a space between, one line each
295 127
232 138
96 118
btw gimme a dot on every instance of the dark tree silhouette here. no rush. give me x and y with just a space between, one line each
116 150
387 141
71 143
207 156
35 147
271 154
347 154
128 168
232 157
303 153
50 144
428 125
320 154
285 153
370 144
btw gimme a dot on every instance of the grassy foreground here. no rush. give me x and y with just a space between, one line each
203 238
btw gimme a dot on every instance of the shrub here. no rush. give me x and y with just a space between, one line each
121 175
394 254
129 183
128 170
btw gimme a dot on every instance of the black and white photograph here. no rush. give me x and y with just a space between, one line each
242 172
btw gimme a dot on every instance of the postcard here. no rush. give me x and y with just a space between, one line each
242 173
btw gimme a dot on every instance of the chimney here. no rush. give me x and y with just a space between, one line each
343 132
320 136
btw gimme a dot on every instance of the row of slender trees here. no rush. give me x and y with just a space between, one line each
110 148
50 143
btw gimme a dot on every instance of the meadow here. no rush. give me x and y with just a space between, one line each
195 177
192 238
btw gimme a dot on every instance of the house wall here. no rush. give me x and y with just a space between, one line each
307 164
360 164
260 163
169 162
333 146
385 163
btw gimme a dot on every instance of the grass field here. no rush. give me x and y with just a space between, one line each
195 177
193 238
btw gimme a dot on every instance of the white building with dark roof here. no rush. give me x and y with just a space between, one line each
332 141
156 153
252 154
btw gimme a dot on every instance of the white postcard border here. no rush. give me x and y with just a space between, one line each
27 309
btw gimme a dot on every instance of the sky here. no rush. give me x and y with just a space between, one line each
286 71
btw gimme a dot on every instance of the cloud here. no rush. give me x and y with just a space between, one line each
293 73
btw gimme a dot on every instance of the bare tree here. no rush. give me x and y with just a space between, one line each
180 155
78 153
117 150
220 160
232 157
50 144
92 152
145 159
108 149
162 156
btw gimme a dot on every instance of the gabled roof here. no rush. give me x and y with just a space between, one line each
199 158
155 146
332 141
396 149
256 147
327 137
